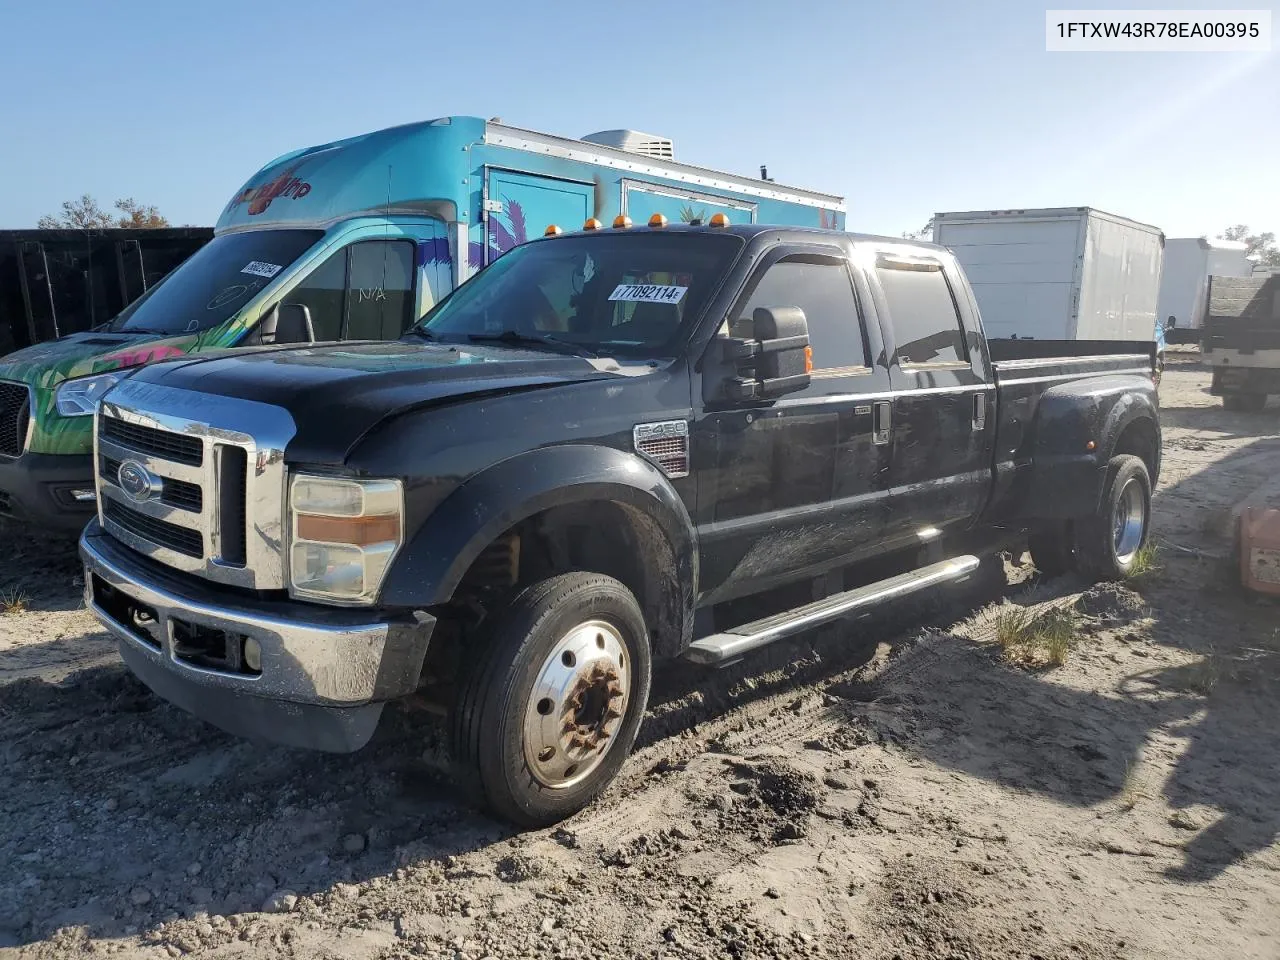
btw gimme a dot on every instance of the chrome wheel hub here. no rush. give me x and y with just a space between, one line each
1128 521
577 704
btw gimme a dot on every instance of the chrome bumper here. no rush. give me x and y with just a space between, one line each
312 657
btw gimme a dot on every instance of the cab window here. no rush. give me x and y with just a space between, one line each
922 309
823 289
361 292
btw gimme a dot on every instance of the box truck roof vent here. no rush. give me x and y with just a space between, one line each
633 141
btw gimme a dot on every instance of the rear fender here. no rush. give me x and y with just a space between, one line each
1076 428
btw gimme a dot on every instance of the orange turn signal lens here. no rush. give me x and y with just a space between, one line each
808 359
359 531
658 221
719 220
552 231
592 224
621 222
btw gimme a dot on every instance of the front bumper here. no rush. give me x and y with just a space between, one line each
36 488
324 673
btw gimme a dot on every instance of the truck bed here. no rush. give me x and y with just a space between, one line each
1048 383
1005 350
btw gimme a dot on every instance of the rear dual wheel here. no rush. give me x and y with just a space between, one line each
1107 543
551 701
1104 545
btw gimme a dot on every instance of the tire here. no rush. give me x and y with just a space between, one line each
1107 542
1052 550
1244 402
566 648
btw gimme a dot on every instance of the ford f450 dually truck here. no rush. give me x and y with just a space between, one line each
609 447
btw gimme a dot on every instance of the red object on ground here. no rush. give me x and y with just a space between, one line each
1260 549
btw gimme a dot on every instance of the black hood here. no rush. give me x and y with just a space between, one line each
337 393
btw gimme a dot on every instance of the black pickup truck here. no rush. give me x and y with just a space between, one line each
609 447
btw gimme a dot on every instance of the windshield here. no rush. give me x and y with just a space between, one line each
216 282
628 294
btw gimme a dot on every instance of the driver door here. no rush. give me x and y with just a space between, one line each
797 484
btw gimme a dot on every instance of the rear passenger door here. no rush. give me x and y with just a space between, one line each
796 484
942 404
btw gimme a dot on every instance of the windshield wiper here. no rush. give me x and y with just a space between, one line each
422 332
515 338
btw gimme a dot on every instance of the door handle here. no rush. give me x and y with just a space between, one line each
979 412
882 422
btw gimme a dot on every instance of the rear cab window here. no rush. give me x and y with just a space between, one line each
924 312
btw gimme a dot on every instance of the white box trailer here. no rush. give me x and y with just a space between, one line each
1189 262
1066 273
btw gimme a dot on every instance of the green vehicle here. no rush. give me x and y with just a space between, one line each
352 240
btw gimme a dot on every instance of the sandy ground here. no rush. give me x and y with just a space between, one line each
894 790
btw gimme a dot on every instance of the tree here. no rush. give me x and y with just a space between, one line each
1261 245
924 233
82 214
85 214
139 215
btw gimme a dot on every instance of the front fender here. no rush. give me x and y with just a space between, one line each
438 555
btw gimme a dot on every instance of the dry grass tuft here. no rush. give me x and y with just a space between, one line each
1146 562
1203 676
1037 639
13 601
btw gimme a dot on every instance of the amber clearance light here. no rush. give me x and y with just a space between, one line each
358 531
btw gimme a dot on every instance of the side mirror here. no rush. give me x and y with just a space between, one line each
288 323
776 359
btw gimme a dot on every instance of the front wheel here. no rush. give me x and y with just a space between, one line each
550 704
1107 543
1244 402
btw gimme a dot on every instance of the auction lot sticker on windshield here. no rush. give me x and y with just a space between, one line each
647 293
261 269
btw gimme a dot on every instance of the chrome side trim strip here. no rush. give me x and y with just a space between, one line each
1043 361
1140 371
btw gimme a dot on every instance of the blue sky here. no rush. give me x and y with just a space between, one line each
904 108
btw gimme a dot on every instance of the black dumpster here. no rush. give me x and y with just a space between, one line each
55 282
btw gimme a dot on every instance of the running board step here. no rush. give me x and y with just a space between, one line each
723 648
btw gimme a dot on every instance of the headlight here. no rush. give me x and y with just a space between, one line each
80 397
345 535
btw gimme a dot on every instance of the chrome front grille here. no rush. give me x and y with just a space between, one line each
15 418
176 493
167 446
186 541
195 481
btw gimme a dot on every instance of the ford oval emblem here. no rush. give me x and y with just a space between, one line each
138 483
